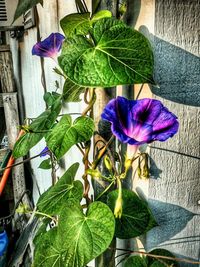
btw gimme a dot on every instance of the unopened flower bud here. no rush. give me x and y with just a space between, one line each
94 173
118 203
139 171
145 172
108 163
127 164
118 208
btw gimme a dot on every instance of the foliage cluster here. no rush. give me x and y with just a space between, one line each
98 51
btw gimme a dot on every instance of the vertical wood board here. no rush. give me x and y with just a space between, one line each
174 189
12 123
6 70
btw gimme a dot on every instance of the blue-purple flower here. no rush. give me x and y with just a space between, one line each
140 121
45 152
50 46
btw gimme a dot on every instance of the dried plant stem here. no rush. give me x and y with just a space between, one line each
156 256
85 176
102 153
23 161
91 102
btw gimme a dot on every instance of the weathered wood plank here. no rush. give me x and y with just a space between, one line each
11 114
12 123
174 192
6 70
4 48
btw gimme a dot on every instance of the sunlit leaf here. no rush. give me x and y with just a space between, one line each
67 133
75 24
37 130
100 15
54 199
119 55
79 237
46 253
42 229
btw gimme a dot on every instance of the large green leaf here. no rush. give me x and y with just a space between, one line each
79 237
136 217
42 229
119 55
72 91
54 199
25 5
80 23
75 24
135 261
153 262
46 253
37 130
100 15
87 235
67 133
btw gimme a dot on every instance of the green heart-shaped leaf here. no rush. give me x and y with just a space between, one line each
118 55
100 15
46 253
37 130
80 23
66 134
54 199
135 261
75 24
78 239
136 216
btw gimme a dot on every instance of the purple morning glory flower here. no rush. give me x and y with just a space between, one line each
45 152
137 122
50 46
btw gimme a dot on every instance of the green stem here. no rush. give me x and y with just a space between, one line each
106 178
45 215
107 188
118 203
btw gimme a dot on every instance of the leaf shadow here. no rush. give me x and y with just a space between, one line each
155 172
171 219
176 71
